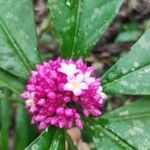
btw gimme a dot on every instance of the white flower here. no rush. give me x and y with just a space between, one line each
87 78
99 92
76 85
68 69
30 101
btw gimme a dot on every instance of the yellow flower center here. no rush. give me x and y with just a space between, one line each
76 84
29 102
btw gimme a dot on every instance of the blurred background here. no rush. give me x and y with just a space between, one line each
132 20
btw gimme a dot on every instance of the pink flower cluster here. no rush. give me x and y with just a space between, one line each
54 90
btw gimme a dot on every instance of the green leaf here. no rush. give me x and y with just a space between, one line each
130 26
18 42
70 143
79 24
58 142
50 139
127 36
124 128
25 131
5 119
10 81
131 73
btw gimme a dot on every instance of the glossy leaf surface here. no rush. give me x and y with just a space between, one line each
18 42
124 128
50 139
131 73
79 24
10 81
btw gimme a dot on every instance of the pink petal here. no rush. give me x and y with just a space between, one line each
60 110
67 99
33 109
33 121
61 124
25 95
51 95
61 70
39 118
54 121
86 113
96 112
69 112
42 126
69 125
30 87
41 102
79 123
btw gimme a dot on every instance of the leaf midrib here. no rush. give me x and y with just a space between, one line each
17 49
116 138
9 85
127 74
76 27
113 136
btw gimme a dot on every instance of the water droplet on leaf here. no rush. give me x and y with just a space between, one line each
69 3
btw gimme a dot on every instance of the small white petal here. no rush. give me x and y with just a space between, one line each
83 86
29 102
72 66
104 96
86 112
99 90
71 73
32 109
76 70
63 65
90 80
70 79
80 77
87 74
68 86
77 91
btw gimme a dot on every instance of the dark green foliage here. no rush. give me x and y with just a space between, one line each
78 24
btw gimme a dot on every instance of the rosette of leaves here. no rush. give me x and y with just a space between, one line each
78 25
